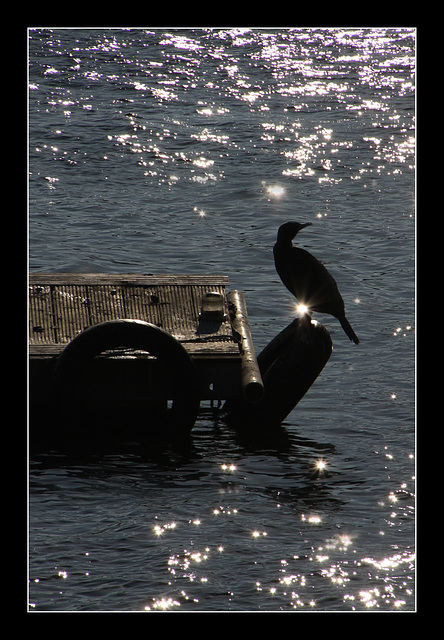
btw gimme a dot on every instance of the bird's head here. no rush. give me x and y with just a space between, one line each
288 230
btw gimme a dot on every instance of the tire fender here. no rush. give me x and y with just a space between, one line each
135 334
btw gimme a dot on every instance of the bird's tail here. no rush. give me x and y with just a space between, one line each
348 329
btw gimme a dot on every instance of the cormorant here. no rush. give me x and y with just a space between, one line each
307 279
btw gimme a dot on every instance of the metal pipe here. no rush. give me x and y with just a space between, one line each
251 379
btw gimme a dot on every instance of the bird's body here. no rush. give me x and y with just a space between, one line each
307 278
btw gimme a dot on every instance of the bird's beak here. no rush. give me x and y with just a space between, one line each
306 224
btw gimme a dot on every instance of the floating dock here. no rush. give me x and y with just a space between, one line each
210 324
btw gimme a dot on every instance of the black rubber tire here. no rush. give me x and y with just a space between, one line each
134 334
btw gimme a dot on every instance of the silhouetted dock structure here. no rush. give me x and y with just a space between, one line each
104 348
195 310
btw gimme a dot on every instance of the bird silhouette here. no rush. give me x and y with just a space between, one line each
307 278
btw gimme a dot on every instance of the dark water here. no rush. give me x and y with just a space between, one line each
182 151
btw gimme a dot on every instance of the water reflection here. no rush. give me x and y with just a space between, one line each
320 465
274 518
276 191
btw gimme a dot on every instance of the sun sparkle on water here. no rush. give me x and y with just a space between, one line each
321 465
276 191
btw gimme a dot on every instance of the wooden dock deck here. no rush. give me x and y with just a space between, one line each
61 306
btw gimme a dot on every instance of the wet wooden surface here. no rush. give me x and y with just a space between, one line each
63 305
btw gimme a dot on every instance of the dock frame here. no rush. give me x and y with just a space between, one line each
63 305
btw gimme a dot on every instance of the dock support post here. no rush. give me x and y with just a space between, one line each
251 379
289 365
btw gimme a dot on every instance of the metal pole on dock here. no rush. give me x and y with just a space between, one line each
251 379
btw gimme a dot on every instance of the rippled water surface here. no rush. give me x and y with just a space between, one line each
182 151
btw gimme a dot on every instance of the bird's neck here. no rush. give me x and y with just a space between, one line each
284 241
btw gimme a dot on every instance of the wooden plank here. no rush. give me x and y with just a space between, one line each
126 279
70 311
105 302
145 303
41 329
196 350
62 305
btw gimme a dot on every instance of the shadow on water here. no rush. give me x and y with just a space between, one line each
278 441
295 478
116 440
279 464
115 434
